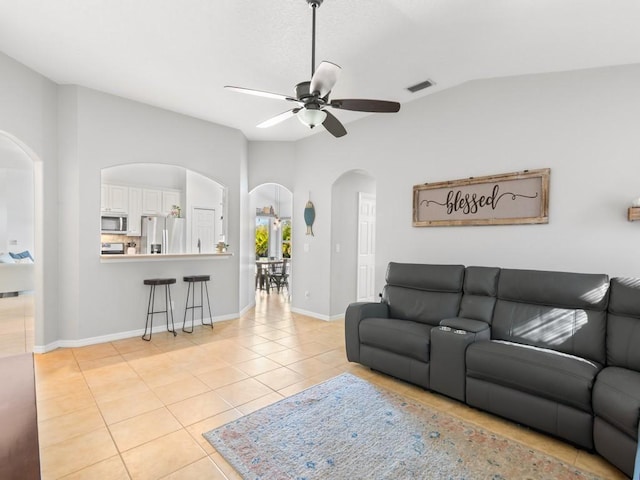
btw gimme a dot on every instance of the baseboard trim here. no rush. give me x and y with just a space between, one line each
246 309
319 316
112 337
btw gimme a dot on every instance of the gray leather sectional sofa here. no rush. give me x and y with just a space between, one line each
557 351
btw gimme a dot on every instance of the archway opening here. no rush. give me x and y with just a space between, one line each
18 251
272 246
189 209
353 213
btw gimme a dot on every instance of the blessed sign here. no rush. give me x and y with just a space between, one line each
510 198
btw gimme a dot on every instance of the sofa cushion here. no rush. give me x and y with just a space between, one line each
403 337
481 281
616 399
437 278
480 289
545 373
623 328
624 297
423 293
573 331
419 305
558 289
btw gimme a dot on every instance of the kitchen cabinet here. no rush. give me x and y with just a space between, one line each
151 201
114 198
135 212
159 202
169 199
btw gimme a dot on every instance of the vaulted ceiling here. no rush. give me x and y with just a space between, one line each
178 54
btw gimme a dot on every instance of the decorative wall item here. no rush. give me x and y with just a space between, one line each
309 217
509 198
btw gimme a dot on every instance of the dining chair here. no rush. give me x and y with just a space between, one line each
279 275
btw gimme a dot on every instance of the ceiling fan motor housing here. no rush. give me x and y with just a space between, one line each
302 90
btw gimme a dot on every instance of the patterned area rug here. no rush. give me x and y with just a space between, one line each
347 428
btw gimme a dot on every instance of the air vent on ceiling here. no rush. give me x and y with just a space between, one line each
420 86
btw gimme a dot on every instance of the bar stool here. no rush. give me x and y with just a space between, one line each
154 282
191 280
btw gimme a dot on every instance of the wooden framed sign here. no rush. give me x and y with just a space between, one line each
509 198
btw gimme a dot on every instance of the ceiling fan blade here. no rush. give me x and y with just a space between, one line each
260 93
364 105
324 78
278 118
333 125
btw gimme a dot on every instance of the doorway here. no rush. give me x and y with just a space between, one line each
272 229
203 235
17 248
366 247
353 237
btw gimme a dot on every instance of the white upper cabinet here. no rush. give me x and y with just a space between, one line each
151 201
114 198
159 202
135 212
169 199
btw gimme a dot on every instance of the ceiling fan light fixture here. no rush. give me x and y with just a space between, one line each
311 116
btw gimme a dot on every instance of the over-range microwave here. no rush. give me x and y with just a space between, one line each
114 224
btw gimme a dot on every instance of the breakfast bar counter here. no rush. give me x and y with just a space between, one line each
159 257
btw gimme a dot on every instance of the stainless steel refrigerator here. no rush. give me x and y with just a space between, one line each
162 235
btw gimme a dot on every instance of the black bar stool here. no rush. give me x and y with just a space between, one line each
154 282
202 280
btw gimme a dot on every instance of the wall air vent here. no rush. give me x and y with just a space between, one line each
420 86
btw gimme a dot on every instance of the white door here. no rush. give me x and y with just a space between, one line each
203 230
366 247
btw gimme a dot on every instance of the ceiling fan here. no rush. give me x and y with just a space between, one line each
312 98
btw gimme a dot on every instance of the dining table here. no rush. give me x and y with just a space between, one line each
263 267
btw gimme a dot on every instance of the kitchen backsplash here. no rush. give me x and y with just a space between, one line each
107 238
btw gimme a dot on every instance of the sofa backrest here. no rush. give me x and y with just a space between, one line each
422 292
623 323
480 290
556 310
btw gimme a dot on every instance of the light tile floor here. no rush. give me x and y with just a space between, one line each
136 410
16 325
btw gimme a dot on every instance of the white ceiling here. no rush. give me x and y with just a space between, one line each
178 54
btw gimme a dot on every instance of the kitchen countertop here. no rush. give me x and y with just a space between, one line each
159 257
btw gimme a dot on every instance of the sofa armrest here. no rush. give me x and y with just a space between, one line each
449 342
352 317
466 324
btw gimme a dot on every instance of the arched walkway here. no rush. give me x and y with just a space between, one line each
350 237
21 316
273 207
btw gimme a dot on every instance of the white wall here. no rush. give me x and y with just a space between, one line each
28 115
148 175
583 125
344 238
17 197
271 162
103 299
72 133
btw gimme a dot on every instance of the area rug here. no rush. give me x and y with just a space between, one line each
347 428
